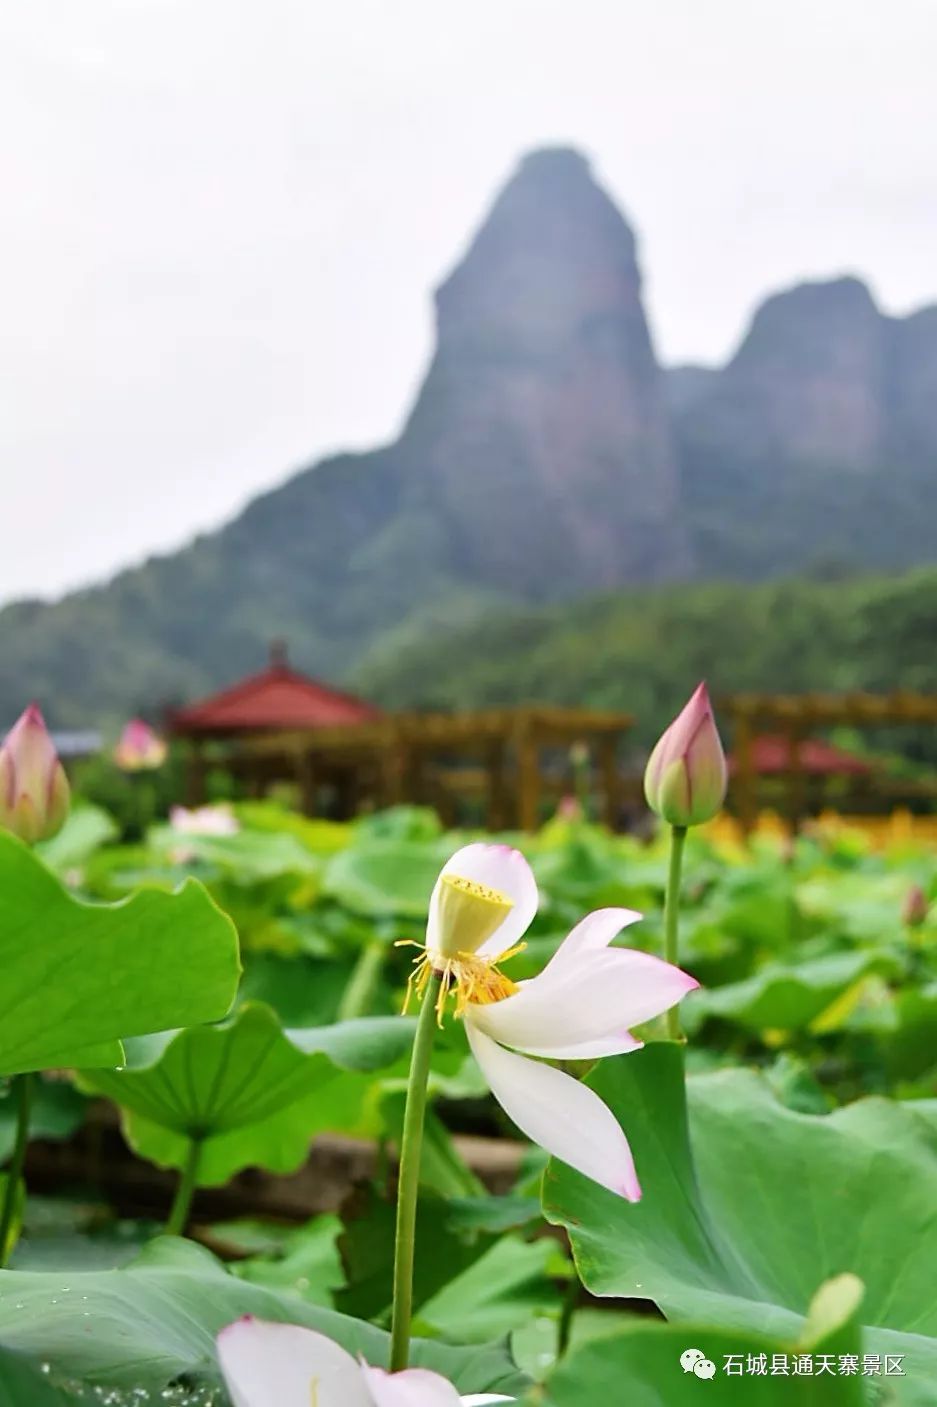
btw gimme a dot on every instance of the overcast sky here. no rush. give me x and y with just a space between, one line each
222 219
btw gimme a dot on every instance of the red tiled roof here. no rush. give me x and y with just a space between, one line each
771 755
278 697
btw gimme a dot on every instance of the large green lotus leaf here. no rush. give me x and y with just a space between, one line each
864 906
646 1354
77 977
252 1093
399 823
507 1287
23 1384
246 855
442 1168
88 827
146 1324
770 1202
588 872
378 877
906 1030
306 1262
790 998
320 836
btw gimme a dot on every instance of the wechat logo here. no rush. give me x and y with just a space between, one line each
694 1360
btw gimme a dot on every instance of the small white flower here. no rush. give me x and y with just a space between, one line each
580 1007
204 820
282 1365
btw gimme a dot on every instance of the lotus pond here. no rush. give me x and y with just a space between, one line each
230 988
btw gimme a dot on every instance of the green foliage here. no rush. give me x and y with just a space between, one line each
749 1205
248 1092
641 650
155 1322
646 1355
77 977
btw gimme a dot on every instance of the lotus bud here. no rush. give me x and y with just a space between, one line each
139 748
686 778
915 908
34 792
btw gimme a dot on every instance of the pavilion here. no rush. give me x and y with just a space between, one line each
777 755
344 754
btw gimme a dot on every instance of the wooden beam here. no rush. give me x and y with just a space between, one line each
609 780
496 761
744 782
528 779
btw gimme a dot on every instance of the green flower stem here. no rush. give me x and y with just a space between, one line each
22 1086
182 1202
411 1145
358 997
672 917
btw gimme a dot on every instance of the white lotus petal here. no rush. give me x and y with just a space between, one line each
601 994
616 1043
499 867
477 1399
592 934
277 1365
414 1387
557 1112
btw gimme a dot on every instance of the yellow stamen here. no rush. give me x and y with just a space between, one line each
477 980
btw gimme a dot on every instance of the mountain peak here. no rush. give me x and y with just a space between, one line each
552 250
544 400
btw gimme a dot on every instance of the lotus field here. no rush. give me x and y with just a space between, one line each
659 1125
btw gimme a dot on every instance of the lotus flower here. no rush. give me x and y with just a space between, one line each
282 1365
34 792
580 1007
686 777
139 748
204 820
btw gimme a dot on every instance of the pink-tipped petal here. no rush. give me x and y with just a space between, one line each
616 1043
414 1387
601 994
592 934
498 867
282 1365
558 1113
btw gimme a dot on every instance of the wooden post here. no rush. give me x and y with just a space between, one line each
195 771
308 782
745 781
796 777
528 776
393 767
609 780
497 791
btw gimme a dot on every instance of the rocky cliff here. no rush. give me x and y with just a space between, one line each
538 462
546 456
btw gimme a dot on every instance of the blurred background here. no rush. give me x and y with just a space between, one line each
483 357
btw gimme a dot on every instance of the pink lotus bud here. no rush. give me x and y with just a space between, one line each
34 791
686 778
569 808
915 908
139 748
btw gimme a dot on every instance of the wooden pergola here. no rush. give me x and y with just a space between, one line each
510 760
797 718
344 755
